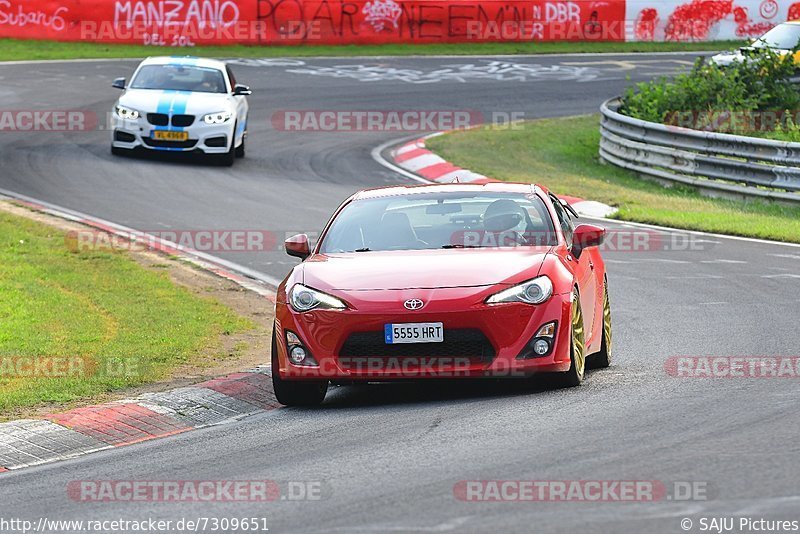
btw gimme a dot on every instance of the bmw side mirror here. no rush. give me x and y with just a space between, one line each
297 246
585 236
241 90
119 83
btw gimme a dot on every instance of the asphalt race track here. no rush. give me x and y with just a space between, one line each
388 457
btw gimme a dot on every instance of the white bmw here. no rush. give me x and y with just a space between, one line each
181 104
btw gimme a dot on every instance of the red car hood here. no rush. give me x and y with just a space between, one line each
422 269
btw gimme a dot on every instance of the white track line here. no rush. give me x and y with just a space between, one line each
443 56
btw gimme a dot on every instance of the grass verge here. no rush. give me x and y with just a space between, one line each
93 321
17 49
562 154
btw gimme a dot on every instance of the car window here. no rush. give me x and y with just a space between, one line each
231 77
180 78
440 220
782 36
564 220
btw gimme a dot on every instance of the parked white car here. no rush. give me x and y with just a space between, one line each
782 39
181 104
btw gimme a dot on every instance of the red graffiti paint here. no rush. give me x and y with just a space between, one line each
646 24
696 20
794 12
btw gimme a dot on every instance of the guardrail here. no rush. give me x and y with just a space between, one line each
716 164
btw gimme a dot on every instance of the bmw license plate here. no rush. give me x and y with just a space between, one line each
414 333
170 135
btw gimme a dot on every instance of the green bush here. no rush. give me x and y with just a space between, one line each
751 96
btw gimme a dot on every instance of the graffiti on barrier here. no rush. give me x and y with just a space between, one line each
176 13
703 20
380 13
267 22
20 17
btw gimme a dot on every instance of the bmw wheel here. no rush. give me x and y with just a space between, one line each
240 148
227 159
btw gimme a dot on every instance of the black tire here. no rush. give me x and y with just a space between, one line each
291 393
577 346
602 359
240 148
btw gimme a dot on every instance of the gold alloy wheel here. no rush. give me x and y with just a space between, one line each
607 323
578 345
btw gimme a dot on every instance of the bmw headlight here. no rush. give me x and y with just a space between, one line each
126 113
219 117
303 299
534 291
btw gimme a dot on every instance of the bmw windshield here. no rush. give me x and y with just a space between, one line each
440 221
180 78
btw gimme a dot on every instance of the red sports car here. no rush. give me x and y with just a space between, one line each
453 280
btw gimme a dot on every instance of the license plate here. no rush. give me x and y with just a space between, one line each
169 135
414 333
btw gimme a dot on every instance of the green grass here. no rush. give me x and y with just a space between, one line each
562 154
129 324
16 49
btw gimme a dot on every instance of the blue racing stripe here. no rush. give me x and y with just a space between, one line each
171 102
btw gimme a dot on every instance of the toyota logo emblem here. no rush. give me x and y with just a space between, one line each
413 304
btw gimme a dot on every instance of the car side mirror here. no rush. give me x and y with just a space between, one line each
118 83
297 246
241 90
585 236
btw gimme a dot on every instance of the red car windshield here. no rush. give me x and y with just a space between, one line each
429 221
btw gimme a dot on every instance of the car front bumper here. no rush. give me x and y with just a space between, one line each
328 336
138 134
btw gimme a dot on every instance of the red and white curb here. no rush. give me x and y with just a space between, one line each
73 433
64 435
415 158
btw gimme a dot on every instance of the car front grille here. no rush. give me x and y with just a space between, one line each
158 119
162 119
459 344
158 143
182 121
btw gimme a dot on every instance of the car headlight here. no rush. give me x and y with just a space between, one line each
126 113
217 118
303 299
534 291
